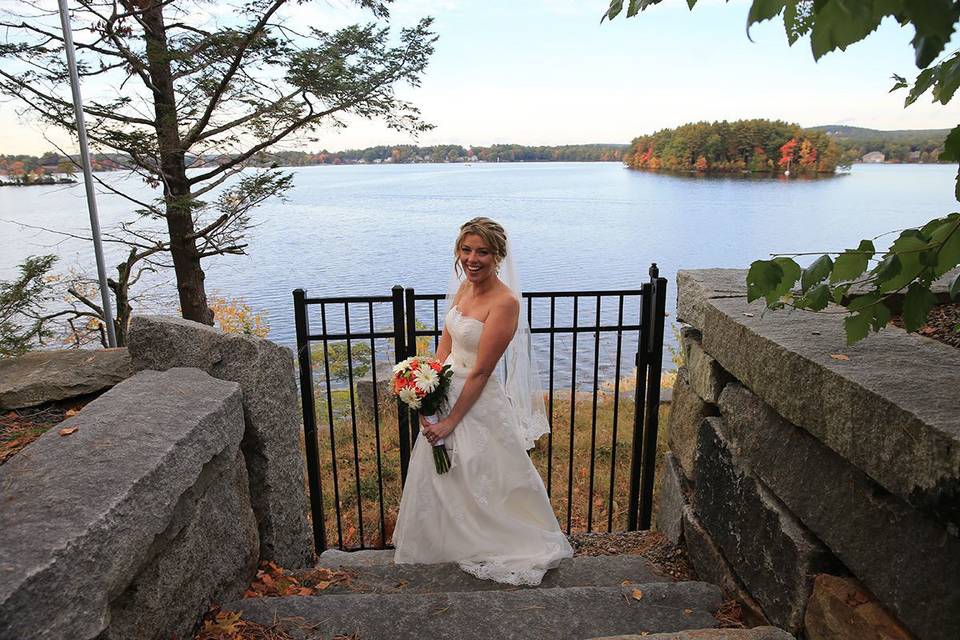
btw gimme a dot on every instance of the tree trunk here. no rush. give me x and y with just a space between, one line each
121 295
176 188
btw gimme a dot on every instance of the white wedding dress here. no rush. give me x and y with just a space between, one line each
490 512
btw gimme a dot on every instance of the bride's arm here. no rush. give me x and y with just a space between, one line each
498 330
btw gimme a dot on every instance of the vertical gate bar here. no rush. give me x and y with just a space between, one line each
638 406
376 425
400 353
353 423
333 440
412 347
573 411
436 325
651 424
616 412
553 300
593 418
309 419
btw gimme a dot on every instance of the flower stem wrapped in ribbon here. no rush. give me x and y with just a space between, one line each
422 384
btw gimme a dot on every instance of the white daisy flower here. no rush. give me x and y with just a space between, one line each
402 365
409 397
426 379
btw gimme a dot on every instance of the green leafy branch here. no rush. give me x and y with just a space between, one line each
867 287
868 293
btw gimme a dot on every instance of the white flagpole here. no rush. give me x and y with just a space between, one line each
87 174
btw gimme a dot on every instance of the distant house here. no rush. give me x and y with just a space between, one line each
914 156
874 156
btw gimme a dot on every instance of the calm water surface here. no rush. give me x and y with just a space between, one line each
349 230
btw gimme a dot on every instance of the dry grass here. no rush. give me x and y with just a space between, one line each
569 479
20 427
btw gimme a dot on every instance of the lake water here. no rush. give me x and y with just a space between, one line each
359 230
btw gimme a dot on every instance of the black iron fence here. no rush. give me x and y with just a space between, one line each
597 463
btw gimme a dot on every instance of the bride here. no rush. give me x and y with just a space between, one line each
490 513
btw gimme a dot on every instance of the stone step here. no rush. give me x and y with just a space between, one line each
365 558
583 571
573 613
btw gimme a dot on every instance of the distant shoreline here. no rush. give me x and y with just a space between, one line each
41 183
766 174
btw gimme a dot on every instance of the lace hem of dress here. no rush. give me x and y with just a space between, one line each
501 573
531 428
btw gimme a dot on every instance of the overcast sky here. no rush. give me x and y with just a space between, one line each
547 72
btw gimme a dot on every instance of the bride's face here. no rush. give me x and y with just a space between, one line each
476 258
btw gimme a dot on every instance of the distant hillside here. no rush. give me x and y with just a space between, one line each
840 131
904 145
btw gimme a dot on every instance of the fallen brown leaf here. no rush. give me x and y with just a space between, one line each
71 412
66 431
223 622
839 356
637 594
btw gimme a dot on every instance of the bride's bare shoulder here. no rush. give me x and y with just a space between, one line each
506 300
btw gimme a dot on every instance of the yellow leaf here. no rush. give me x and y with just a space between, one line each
637 594
223 622
71 412
687 611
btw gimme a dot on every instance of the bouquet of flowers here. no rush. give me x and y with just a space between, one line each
421 383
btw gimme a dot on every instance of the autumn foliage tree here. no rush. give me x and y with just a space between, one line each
787 152
192 97
743 145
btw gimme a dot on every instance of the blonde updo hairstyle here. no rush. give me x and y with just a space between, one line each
492 235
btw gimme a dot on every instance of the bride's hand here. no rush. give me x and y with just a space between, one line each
434 432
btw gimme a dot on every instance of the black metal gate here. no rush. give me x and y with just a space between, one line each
353 409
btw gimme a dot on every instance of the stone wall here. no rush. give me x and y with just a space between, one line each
42 377
271 444
132 517
817 482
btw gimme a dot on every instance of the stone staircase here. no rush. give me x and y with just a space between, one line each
586 597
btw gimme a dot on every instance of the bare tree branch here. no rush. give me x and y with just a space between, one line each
214 101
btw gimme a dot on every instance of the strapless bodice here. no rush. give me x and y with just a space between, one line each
465 334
